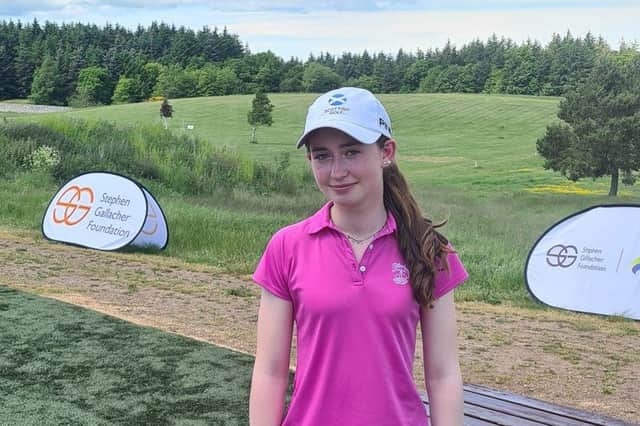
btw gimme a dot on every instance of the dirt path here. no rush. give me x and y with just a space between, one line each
576 360
30 108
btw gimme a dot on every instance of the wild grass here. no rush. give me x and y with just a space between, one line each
65 148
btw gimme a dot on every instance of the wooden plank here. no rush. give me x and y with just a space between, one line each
587 418
497 417
483 416
468 421
490 406
472 421
520 410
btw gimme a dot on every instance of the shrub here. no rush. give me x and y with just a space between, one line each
43 158
127 90
319 78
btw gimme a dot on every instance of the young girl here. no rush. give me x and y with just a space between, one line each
355 278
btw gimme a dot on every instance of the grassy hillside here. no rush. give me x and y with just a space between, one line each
478 142
441 137
470 159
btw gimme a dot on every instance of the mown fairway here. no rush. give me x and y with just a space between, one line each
484 143
61 364
444 140
471 159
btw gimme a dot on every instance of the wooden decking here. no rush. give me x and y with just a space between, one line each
485 407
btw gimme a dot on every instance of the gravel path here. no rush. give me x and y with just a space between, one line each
31 109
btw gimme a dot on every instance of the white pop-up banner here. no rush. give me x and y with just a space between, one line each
105 211
155 231
589 262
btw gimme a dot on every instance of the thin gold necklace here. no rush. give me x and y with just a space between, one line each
361 241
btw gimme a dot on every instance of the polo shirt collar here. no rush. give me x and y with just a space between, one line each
322 219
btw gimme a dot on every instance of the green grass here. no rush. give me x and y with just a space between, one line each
473 142
470 159
440 136
16 101
60 364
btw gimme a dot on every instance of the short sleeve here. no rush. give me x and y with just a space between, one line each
272 271
448 280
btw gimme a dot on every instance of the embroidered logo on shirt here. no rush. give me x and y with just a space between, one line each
400 273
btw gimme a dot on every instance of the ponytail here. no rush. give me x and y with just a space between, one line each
422 247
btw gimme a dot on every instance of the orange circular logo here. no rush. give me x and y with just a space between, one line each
73 205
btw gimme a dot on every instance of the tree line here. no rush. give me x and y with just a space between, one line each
83 64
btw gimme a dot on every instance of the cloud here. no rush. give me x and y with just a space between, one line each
19 8
389 31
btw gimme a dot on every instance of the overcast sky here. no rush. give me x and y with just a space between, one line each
297 28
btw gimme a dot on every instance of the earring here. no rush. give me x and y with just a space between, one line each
386 163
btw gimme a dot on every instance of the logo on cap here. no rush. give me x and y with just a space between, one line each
384 124
337 99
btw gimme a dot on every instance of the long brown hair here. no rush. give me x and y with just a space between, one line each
422 247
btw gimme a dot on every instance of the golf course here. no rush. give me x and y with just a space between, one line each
470 159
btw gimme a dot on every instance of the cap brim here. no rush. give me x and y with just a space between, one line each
359 133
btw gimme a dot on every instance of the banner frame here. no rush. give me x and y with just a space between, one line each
161 211
549 229
146 205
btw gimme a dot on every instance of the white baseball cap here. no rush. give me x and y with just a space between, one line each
355 111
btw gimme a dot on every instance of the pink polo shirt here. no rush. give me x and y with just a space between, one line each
356 324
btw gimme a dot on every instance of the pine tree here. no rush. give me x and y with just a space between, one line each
46 83
166 111
25 63
260 114
8 87
601 136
